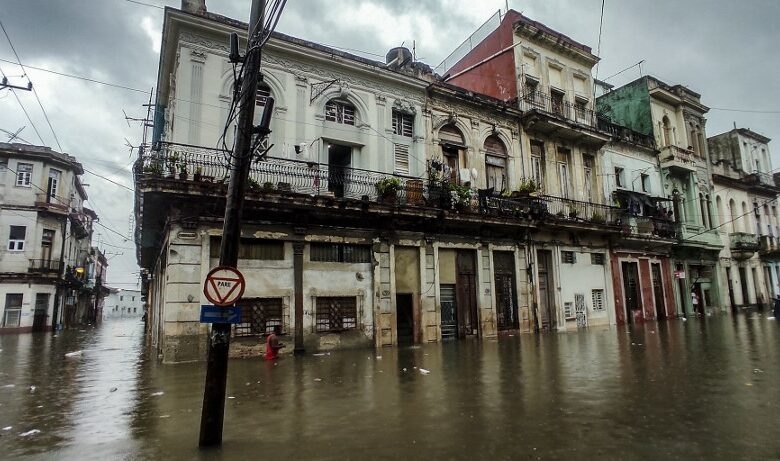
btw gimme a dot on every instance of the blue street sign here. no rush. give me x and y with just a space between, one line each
216 314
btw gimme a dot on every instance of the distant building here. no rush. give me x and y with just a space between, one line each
121 303
50 274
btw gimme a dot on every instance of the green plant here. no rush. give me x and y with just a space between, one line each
388 186
527 186
154 168
198 170
268 185
461 193
573 212
253 184
598 218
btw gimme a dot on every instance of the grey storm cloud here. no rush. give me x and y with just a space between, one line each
724 50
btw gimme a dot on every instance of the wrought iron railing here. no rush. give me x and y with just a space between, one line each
624 133
674 153
45 266
557 105
764 179
188 163
646 226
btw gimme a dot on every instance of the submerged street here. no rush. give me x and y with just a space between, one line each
697 389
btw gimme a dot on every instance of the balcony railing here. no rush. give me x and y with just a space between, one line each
624 133
557 106
51 202
769 245
743 241
646 226
276 175
758 178
45 266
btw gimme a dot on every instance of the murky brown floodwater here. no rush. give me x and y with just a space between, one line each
698 389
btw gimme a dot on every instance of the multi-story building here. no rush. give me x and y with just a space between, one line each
746 205
46 230
674 117
123 303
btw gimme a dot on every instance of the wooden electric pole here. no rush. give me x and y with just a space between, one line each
213 412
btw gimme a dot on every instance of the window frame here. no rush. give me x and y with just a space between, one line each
601 305
568 257
401 121
9 308
598 259
337 111
16 244
24 174
346 253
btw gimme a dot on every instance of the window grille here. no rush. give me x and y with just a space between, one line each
336 314
597 258
259 316
401 158
568 257
597 296
403 124
257 249
568 310
340 253
340 112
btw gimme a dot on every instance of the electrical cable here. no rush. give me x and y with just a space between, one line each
26 114
35 92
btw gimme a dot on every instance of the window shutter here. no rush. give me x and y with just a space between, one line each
401 155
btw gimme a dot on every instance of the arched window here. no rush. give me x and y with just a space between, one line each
733 215
667 131
719 206
340 111
495 163
745 218
703 206
452 144
709 211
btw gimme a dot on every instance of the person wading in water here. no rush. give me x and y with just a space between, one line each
272 344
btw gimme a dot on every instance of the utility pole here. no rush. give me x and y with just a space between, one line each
213 413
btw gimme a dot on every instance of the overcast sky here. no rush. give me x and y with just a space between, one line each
725 50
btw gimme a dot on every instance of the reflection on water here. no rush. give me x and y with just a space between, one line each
697 389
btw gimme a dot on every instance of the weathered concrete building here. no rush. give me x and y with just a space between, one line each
746 205
674 116
48 269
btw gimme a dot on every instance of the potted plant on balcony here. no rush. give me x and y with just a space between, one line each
597 218
154 168
527 187
461 195
573 212
173 160
198 174
183 171
268 185
387 189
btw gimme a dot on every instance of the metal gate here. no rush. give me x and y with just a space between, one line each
581 310
506 307
449 312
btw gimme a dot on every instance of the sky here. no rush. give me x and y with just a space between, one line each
724 50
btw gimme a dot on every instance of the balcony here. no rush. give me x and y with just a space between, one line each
292 186
51 203
743 245
762 181
769 246
44 266
648 227
625 134
677 158
552 115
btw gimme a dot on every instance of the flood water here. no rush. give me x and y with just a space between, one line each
707 388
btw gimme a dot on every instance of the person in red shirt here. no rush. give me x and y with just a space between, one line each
272 344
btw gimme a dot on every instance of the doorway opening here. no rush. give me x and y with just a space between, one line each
339 159
404 319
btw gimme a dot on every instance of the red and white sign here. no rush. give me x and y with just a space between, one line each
224 286
679 274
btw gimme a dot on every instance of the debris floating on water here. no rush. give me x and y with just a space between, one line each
32 389
156 394
30 432
318 379
74 354
8 428
424 371
231 397
113 389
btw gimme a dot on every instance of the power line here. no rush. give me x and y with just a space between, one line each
63 74
146 4
26 114
107 179
35 92
747 110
